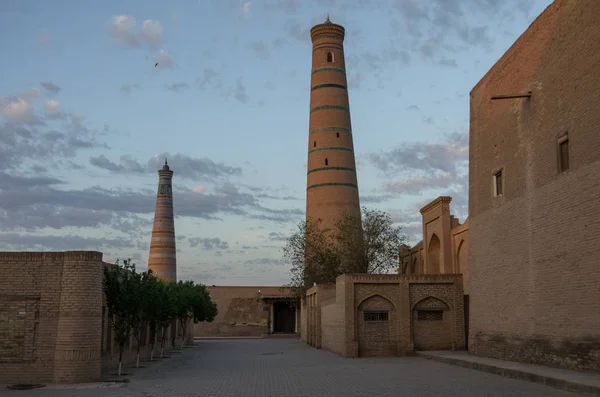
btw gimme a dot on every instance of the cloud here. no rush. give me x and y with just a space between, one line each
52 111
244 11
164 61
277 236
178 87
20 111
60 243
298 31
261 49
183 165
448 62
208 243
446 156
354 80
51 88
31 136
418 184
124 29
239 91
210 79
129 88
269 262
151 33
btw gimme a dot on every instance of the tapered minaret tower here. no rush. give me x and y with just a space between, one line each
332 187
162 260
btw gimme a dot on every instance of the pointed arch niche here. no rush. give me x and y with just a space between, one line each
434 251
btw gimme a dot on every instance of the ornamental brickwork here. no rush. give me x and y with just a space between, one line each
332 187
162 259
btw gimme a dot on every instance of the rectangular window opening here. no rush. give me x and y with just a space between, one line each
430 315
498 183
377 317
563 154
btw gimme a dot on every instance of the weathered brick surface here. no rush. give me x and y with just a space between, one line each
241 311
450 253
337 322
51 316
533 252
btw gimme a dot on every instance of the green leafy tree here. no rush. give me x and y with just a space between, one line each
152 308
141 306
184 303
311 253
205 310
166 310
118 285
357 244
372 249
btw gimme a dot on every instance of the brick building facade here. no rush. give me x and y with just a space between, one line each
445 245
251 311
365 315
534 188
54 325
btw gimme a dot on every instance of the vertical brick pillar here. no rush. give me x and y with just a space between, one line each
332 186
79 334
162 259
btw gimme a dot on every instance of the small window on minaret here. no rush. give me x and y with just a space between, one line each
330 57
337 134
326 162
315 144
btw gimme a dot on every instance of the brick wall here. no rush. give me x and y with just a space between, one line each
352 324
50 316
241 311
533 251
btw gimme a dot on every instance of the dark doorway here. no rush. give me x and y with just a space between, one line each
284 318
466 306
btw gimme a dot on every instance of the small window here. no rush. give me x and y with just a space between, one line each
377 317
315 144
498 183
329 57
430 315
326 162
563 154
337 134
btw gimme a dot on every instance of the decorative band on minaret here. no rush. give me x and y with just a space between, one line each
332 187
162 260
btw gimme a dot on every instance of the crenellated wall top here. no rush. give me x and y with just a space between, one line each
437 201
396 278
20 256
327 30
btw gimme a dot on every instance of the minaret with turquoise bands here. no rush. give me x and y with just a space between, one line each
332 187
162 260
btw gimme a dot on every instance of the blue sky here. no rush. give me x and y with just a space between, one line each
86 119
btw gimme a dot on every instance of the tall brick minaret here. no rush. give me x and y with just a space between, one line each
332 187
162 259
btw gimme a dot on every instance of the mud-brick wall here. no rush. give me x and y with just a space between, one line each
241 311
533 250
50 316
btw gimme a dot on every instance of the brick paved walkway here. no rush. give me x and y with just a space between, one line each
287 367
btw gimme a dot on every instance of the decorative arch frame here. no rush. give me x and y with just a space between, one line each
458 248
373 295
428 264
448 307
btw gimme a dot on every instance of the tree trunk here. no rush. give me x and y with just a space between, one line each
183 329
121 348
163 338
137 359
